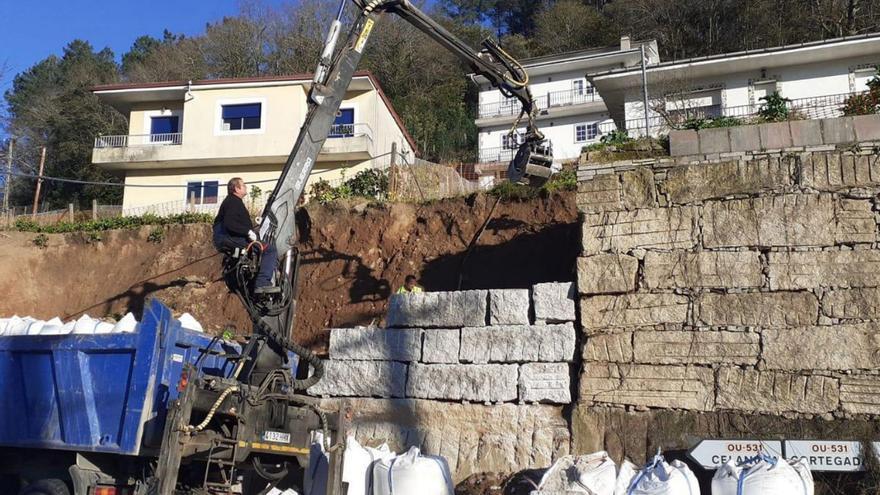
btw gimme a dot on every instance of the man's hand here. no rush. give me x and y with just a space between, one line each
252 236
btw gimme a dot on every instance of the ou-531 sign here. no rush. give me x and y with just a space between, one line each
827 455
713 453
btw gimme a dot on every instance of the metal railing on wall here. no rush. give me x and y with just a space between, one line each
129 140
553 99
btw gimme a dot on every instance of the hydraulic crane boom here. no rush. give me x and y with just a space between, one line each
533 160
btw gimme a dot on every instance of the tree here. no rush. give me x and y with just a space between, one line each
51 105
568 25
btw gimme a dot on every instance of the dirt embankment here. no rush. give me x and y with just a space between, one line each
353 259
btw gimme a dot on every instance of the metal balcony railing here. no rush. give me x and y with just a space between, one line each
511 106
351 130
124 141
493 155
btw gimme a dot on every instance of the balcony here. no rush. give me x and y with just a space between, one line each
347 142
510 107
496 155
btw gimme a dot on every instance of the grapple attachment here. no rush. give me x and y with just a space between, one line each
533 163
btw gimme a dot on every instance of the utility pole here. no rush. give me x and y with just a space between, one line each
645 89
8 175
39 182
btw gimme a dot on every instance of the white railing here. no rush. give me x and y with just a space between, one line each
128 140
554 99
350 130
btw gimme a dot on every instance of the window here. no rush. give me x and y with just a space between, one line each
242 117
512 141
586 132
343 126
202 193
578 86
165 129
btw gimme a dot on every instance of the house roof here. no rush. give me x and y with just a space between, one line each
584 60
123 94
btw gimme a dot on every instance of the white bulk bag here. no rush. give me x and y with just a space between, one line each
659 477
128 323
187 321
85 325
357 465
18 326
763 475
593 474
53 327
412 474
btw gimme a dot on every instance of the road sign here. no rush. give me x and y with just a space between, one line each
713 453
826 455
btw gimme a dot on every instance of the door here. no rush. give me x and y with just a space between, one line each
343 126
165 129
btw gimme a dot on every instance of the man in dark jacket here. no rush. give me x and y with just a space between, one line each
233 229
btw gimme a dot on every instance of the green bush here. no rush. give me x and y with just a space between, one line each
697 124
41 241
867 103
369 183
157 235
775 108
115 223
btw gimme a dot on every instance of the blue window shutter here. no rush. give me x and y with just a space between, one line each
343 126
164 126
194 189
210 191
246 116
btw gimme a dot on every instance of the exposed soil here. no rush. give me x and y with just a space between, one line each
354 257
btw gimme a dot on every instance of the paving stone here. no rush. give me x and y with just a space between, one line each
609 347
509 307
745 138
365 344
659 228
517 344
759 309
838 171
838 347
838 130
860 394
722 269
776 392
632 310
473 382
787 220
473 438
361 379
702 181
607 274
685 142
811 269
679 387
438 309
714 140
545 382
441 345
866 127
775 136
688 347
554 301
805 132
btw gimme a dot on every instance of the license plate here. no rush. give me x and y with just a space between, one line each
276 437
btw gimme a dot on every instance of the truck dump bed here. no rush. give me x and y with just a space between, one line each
100 393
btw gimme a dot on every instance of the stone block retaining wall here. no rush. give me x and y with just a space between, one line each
792 135
745 284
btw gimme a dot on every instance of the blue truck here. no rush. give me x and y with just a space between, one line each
88 414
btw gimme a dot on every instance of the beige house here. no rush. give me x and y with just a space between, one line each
195 136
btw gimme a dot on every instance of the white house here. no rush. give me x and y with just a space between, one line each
572 114
190 138
817 77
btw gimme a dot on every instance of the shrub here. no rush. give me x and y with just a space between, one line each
775 108
697 124
115 223
866 103
41 241
157 235
369 183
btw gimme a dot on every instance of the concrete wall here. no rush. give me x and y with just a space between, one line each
792 136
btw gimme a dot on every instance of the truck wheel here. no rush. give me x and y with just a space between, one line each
46 487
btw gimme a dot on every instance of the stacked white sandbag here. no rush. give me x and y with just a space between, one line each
658 477
412 474
357 465
84 325
763 475
593 474
188 321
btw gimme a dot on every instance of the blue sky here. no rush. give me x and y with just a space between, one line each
31 31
